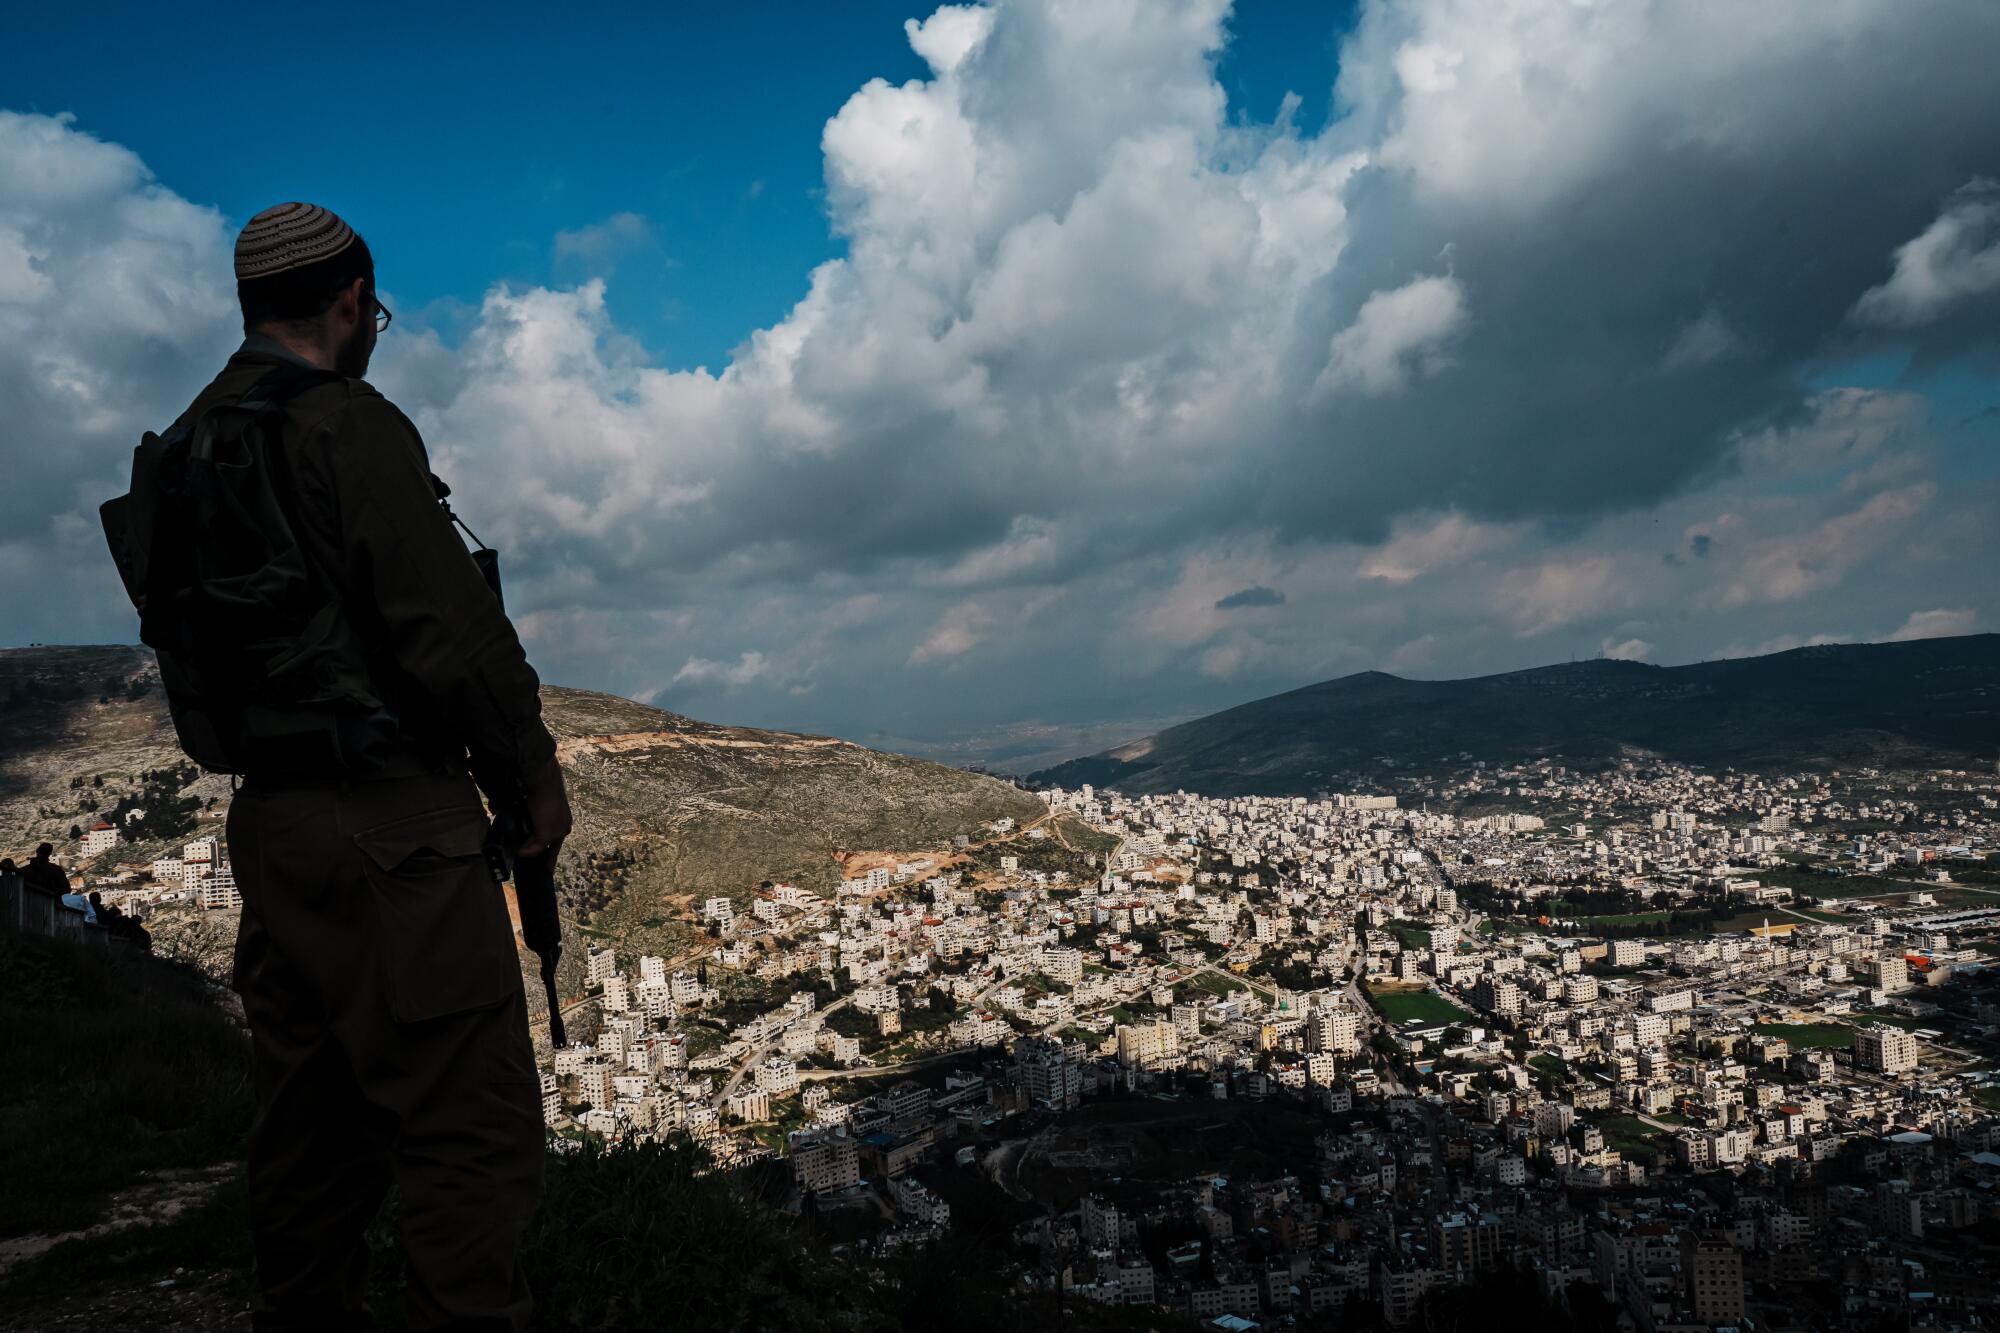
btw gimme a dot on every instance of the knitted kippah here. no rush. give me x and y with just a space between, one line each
289 236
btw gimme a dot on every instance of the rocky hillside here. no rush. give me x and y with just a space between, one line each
669 809
1888 705
82 730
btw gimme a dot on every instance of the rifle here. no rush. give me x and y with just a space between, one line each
534 877
534 880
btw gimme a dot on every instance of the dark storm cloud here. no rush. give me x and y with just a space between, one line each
1257 596
1626 318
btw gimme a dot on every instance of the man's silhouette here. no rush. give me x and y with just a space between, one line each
375 958
44 873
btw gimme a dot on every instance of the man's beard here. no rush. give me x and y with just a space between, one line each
352 358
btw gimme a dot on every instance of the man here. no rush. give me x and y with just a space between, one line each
375 958
42 872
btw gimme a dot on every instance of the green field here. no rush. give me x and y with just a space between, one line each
1400 1004
1833 886
1410 935
1742 921
1811 1036
1630 1135
1209 983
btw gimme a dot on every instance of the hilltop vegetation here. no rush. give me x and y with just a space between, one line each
1888 705
116 1067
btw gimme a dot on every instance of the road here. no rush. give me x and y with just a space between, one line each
758 1054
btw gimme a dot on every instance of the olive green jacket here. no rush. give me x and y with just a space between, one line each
443 654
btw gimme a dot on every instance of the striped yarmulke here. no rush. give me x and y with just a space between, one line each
288 237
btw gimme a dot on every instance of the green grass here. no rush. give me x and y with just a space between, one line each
1812 885
1410 935
791 1115
1987 1097
1810 1036
114 1064
1082 836
1401 1004
1630 1135
1208 983
648 1236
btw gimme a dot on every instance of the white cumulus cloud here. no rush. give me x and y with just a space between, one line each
701 671
1956 258
1937 624
1396 336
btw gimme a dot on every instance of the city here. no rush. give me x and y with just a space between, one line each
1540 1040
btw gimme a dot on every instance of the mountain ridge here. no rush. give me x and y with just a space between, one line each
670 810
1890 704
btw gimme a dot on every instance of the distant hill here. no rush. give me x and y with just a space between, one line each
669 809
1887 705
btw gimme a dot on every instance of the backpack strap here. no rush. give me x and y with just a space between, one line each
282 383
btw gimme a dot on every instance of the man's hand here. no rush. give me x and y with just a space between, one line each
549 819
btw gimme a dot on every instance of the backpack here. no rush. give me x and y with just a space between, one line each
261 665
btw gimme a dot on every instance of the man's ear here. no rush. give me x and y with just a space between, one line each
350 299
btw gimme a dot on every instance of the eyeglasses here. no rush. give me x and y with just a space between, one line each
382 315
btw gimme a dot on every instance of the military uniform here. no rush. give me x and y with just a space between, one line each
375 958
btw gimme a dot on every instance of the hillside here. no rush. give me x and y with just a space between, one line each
1887 705
126 1205
669 809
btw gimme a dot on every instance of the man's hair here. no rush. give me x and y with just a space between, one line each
305 292
45 849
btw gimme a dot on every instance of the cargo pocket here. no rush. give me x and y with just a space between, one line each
445 944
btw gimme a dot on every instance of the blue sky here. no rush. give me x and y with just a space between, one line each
1012 383
466 142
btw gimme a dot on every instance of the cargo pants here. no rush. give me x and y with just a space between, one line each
378 970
